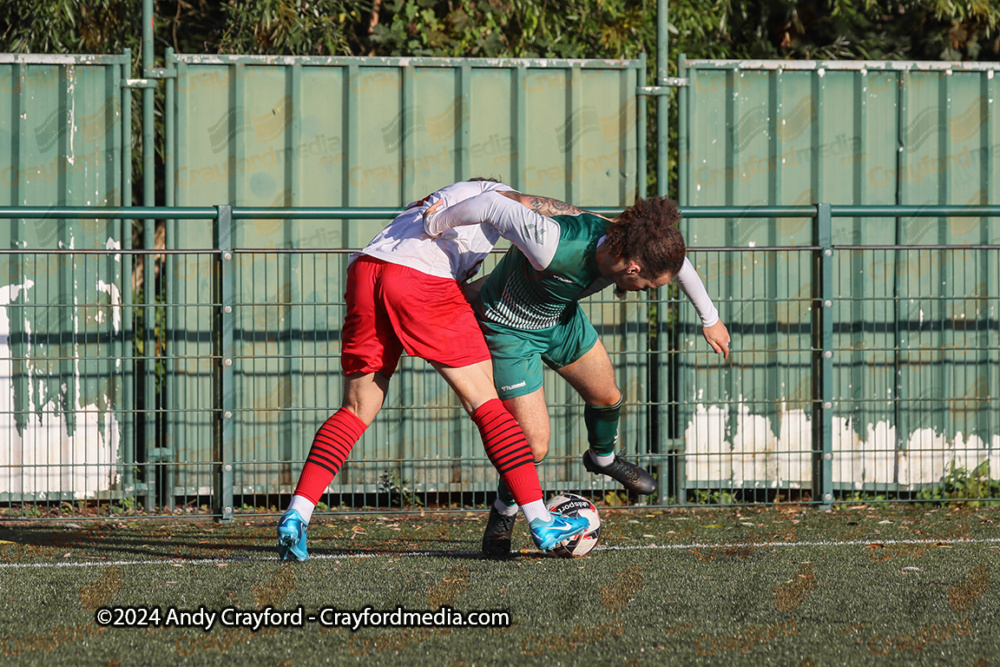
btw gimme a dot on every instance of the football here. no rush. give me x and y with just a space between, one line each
570 504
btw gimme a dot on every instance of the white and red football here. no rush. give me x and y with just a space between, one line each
570 504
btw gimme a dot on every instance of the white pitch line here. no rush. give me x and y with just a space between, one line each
452 554
826 543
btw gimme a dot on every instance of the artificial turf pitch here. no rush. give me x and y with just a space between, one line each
783 586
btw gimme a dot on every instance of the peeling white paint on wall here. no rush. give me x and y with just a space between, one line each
43 458
754 457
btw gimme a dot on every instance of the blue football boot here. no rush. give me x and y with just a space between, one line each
559 529
292 537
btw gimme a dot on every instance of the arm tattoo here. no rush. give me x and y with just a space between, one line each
542 205
550 207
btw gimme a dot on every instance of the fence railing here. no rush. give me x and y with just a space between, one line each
859 372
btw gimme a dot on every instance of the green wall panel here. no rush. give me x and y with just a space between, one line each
61 315
911 326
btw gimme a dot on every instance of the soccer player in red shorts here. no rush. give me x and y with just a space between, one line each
403 293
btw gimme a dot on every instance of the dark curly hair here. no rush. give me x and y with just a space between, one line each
646 233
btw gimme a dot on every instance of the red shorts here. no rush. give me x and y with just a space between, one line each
392 307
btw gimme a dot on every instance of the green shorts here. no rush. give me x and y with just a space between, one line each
518 354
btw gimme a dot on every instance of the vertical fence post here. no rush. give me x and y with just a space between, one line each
823 408
170 320
669 390
150 403
129 443
662 101
223 492
149 398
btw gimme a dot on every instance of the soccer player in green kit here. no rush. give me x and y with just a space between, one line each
529 312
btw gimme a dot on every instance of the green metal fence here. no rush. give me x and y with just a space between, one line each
846 381
776 422
188 373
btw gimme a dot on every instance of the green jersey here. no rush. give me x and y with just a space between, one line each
519 295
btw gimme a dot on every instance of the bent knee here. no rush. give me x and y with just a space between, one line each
539 449
609 400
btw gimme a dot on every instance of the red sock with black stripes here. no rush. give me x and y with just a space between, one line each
330 447
508 451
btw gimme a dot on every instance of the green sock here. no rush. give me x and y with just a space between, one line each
504 495
602 427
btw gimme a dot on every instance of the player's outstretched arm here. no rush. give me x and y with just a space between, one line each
537 236
714 330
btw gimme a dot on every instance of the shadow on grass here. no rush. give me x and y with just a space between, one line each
29 544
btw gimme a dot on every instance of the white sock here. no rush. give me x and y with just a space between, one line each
303 506
506 510
603 461
536 510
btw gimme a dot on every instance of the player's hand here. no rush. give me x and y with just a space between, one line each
428 212
717 336
433 208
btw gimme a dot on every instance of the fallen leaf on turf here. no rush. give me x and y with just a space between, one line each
714 525
911 569
649 535
876 545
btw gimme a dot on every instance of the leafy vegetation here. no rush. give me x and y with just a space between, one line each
890 29
399 490
711 497
838 29
962 487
